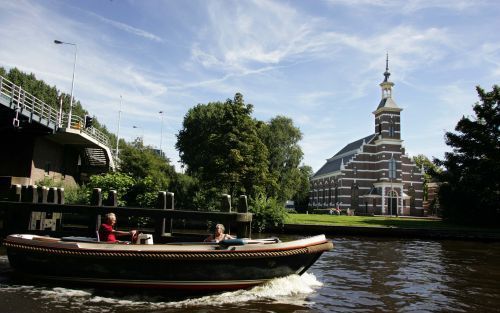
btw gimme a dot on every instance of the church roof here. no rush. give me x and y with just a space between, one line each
387 103
343 156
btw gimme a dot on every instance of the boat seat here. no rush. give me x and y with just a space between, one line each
79 239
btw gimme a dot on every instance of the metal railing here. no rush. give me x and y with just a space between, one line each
37 110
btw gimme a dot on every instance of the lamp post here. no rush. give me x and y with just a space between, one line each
142 133
118 130
161 133
58 42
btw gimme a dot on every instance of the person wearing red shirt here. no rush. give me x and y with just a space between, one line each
108 234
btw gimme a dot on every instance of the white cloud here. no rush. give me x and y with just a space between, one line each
246 36
409 6
253 33
127 28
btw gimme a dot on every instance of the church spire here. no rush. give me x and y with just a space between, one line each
386 84
386 73
387 102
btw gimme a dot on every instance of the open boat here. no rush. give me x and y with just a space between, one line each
229 264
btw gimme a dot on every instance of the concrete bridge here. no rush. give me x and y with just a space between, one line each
38 142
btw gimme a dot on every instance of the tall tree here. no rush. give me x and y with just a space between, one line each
301 196
281 138
220 146
470 193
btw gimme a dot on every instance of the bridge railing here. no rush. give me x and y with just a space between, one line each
26 103
78 123
43 113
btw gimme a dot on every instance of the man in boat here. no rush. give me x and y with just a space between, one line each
107 232
219 234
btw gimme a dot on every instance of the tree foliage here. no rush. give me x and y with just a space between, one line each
120 182
267 213
301 196
421 161
220 145
470 193
151 171
281 138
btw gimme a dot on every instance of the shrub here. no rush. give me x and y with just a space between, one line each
267 213
77 195
112 181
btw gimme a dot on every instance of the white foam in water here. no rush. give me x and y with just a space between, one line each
292 289
274 290
65 293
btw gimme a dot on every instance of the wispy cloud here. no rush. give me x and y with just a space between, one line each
245 36
127 28
409 6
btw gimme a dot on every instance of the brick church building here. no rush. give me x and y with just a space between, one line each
372 175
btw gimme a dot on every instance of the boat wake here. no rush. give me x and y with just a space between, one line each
281 290
291 290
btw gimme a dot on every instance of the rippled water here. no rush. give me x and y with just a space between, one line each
359 275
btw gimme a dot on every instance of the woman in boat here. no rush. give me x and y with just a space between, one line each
107 232
219 234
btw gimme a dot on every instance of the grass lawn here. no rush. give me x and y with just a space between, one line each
377 221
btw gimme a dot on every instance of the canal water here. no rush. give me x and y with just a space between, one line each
359 275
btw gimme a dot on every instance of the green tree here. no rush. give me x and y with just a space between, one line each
301 197
267 213
152 172
187 192
120 182
281 138
421 161
470 190
221 148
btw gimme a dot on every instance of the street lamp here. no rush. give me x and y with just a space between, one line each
118 130
142 132
161 132
58 42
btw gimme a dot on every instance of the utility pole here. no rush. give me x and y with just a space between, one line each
118 130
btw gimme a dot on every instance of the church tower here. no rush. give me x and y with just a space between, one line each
373 174
387 114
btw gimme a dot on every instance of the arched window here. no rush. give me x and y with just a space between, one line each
392 168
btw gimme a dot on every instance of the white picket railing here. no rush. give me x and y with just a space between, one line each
39 111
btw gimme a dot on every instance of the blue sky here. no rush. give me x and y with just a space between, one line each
317 62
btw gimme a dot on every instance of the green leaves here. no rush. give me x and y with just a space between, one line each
230 152
281 138
220 146
470 193
267 213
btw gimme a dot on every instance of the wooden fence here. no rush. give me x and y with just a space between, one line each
41 210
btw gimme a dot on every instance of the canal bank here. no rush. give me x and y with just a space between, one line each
394 232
